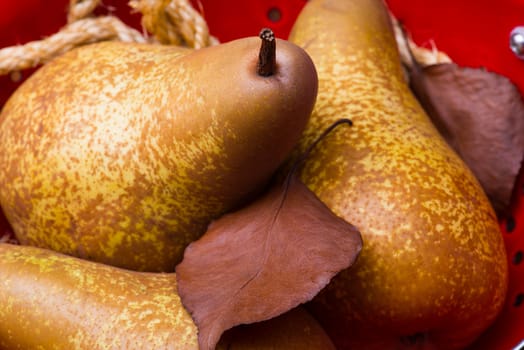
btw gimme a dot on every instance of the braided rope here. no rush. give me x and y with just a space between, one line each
79 9
81 32
173 22
424 56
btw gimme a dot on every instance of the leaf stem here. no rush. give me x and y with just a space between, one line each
302 158
266 65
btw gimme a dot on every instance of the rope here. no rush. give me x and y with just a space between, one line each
173 22
170 22
79 9
424 56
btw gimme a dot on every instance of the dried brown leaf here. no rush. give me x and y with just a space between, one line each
481 116
267 258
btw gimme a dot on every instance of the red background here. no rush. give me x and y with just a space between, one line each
473 33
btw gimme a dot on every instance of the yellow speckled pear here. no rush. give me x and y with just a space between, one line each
53 301
433 269
123 153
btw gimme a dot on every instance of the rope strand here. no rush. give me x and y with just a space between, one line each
81 32
172 22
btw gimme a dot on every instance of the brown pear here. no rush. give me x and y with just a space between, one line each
53 301
433 270
123 153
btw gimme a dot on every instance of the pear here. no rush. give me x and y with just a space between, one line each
123 153
433 270
53 301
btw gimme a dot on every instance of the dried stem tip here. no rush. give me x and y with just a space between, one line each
267 55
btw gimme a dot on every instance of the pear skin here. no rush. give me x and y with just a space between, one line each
52 301
123 153
433 269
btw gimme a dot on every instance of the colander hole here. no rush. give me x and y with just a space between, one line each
517 258
16 76
519 299
510 224
413 339
274 14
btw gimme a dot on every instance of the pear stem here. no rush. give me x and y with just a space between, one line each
267 56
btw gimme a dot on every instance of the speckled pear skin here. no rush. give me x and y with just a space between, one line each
433 267
123 153
52 301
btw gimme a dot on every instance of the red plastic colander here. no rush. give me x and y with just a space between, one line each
472 32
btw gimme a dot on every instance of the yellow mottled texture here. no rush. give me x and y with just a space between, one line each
124 153
52 301
433 261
